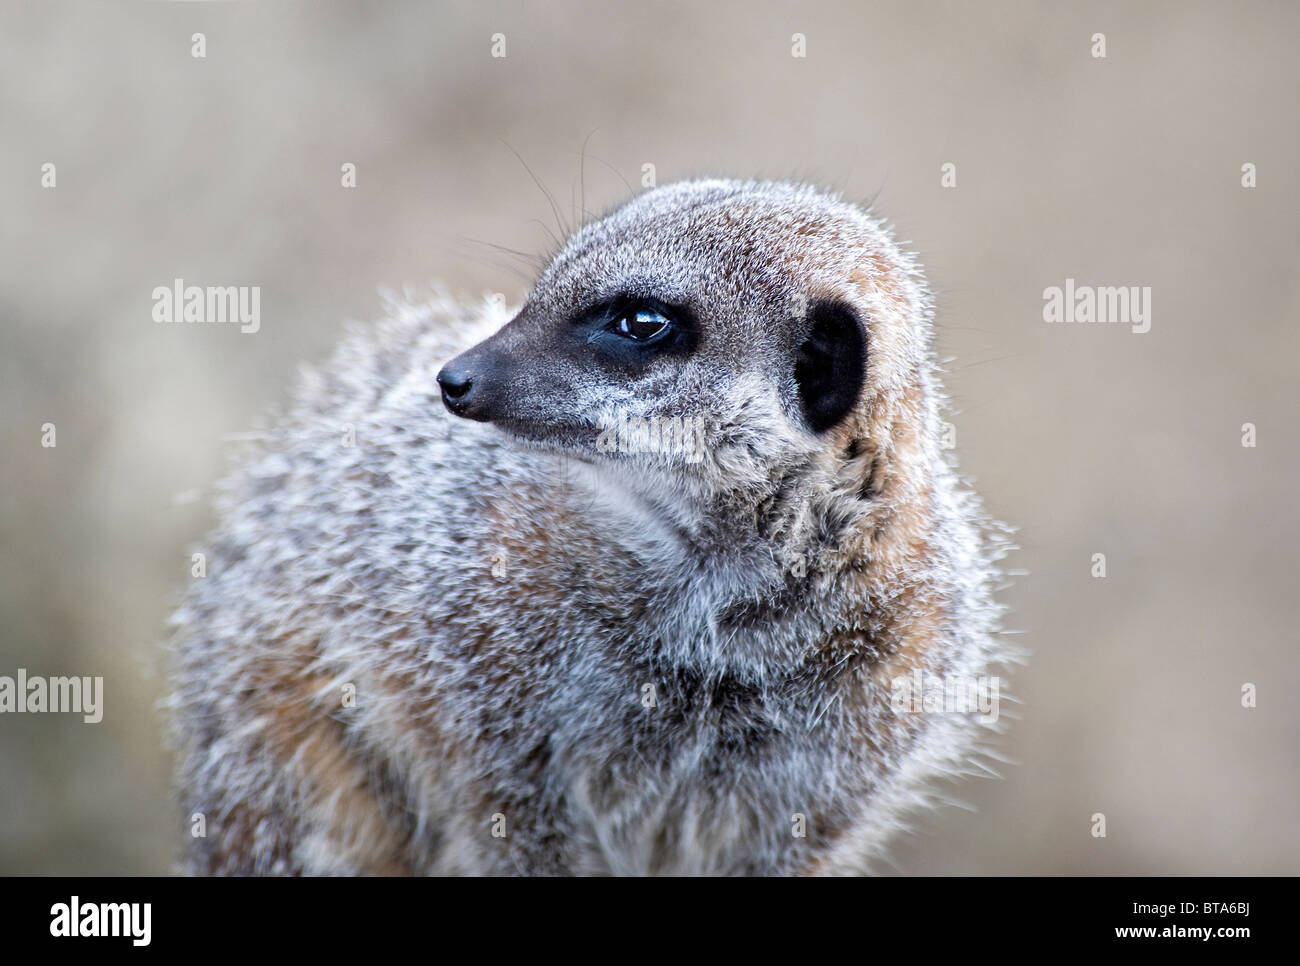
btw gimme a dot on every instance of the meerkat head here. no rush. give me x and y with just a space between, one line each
715 336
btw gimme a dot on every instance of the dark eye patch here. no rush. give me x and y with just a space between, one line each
630 330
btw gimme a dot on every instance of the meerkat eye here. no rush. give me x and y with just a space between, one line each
641 323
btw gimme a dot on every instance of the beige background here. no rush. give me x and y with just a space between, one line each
1122 171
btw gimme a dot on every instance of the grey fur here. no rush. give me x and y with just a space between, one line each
768 593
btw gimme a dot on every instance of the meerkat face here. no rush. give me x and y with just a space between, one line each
706 329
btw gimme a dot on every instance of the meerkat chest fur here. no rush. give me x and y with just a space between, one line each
624 590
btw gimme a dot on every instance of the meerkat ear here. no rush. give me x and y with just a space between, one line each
830 365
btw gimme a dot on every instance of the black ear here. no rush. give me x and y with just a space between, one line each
830 366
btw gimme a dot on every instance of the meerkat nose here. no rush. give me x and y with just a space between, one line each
457 386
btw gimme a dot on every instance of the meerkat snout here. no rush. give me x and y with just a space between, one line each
455 383
466 387
665 598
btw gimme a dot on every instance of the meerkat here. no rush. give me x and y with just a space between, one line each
623 582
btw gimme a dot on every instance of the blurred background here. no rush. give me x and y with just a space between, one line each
1123 170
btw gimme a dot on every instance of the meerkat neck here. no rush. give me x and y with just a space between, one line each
760 577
